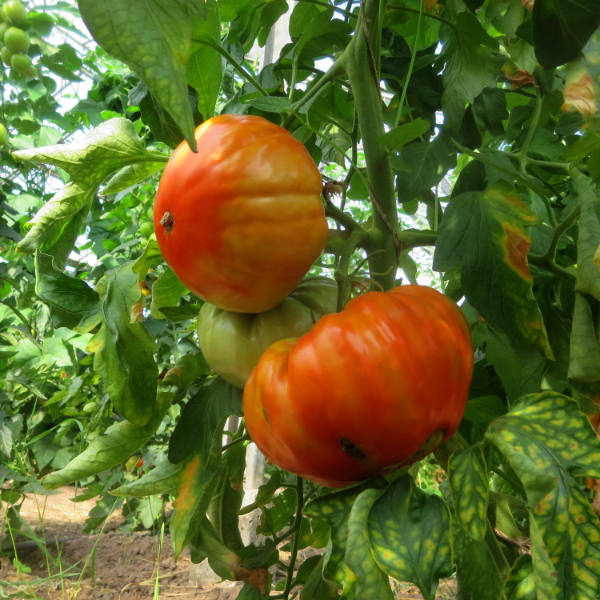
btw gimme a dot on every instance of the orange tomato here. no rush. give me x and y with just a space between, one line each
241 222
367 390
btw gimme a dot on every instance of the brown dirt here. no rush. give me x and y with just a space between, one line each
125 564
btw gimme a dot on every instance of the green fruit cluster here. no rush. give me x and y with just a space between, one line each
15 39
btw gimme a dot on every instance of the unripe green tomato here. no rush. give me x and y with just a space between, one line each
146 229
16 39
4 27
232 342
131 462
14 10
3 135
150 213
32 72
90 407
6 56
20 62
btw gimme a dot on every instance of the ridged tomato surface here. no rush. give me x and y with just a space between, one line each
365 389
241 221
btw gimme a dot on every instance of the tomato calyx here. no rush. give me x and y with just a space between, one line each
168 222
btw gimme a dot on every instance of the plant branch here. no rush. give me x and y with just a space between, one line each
551 267
244 438
346 13
357 237
249 78
429 15
411 65
341 217
559 230
534 123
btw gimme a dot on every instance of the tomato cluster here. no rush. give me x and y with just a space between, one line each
15 40
334 398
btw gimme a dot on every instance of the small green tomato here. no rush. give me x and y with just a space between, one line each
15 11
21 63
16 40
146 229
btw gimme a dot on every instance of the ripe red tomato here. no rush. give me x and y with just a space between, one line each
367 390
241 222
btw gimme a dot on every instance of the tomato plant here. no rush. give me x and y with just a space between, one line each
219 212
232 343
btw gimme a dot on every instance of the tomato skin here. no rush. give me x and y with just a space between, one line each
247 221
232 343
363 390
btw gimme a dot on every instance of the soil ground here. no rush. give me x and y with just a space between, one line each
125 564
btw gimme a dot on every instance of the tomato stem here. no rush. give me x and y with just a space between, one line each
244 438
295 531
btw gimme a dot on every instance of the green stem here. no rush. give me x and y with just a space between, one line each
233 63
244 438
564 226
543 163
382 258
534 123
552 267
346 13
429 15
293 80
411 65
341 217
295 537
357 237
335 71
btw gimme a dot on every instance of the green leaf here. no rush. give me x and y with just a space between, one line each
399 136
317 588
562 28
424 165
583 147
520 584
486 232
471 65
125 358
166 291
468 477
274 104
6 436
181 313
410 535
483 410
204 70
371 582
161 61
489 109
193 434
549 443
584 366
334 509
161 480
588 272
68 298
117 444
132 175
478 575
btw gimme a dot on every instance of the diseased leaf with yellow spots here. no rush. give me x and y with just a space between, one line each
588 275
485 231
584 366
470 490
334 509
371 582
520 584
197 482
104 150
410 535
549 442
